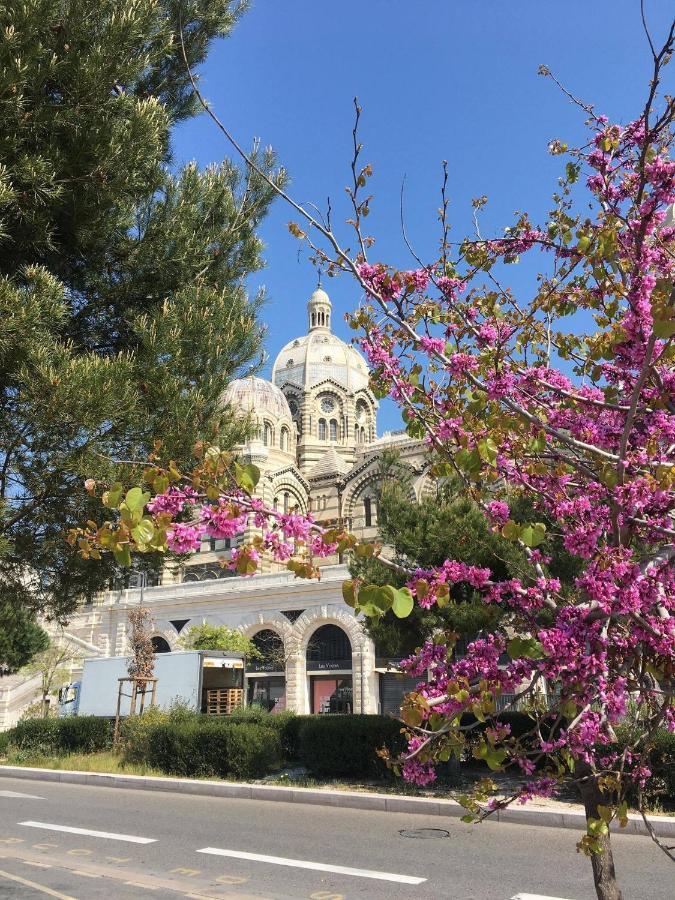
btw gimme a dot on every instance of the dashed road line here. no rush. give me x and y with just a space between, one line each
109 835
315 866
535 897
15 794
36 887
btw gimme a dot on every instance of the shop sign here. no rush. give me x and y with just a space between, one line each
328 665
259 665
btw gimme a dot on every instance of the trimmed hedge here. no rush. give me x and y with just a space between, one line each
347 745
660 788
245 750
78 734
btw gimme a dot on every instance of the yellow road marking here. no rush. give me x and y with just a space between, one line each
11 841
38 865
45 846
37 887
326 895
84 874
119 859
232 879
190 873
80 852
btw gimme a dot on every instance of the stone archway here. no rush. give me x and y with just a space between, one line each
256 676
364 678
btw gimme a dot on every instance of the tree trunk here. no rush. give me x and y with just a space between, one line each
604 876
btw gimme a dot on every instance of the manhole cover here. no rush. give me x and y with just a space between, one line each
424 834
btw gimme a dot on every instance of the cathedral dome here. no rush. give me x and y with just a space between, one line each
319 355
258 396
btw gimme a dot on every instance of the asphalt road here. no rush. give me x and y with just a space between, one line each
73 841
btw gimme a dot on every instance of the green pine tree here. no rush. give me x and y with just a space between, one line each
122 281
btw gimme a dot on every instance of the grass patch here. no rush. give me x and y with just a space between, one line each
106 761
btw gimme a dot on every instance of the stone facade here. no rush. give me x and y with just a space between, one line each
315 442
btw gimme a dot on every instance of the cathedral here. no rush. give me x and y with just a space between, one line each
314 439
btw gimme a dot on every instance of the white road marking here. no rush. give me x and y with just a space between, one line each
535 897
21 796
317 867
130 838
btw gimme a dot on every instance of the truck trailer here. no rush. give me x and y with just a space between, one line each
207 681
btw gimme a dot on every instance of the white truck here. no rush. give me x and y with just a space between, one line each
208 681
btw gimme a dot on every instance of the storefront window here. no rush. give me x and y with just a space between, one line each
332 696
329 666
270 692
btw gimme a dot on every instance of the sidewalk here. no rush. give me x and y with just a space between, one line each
664 826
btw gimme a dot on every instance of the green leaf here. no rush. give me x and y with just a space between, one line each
488 450
606 813
348 593
135 501
246 477
511 530
532 534
403 603
528 648
597 827
374 600
494 757
664 328
144 532
122 555
112 498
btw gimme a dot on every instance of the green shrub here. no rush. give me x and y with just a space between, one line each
347 745
4 742
208 747
79 734
660 788
135 732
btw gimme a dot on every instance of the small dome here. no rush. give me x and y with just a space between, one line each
258 396
320 354
319 296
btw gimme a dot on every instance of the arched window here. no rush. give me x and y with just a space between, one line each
333 430
276 503
322 429
268 435
323 502
362 436
329 643
160 645
271 646
287 498
356 434
368 511
313 319
284 439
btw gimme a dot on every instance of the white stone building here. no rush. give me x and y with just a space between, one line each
317 447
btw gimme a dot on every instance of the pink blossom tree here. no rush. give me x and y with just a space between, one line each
565 394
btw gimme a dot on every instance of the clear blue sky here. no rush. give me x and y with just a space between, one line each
440 79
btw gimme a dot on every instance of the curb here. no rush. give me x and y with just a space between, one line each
663 827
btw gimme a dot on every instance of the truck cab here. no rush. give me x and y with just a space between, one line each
69 699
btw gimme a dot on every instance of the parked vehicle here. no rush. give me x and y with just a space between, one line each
208 681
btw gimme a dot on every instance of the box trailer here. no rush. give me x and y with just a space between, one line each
208 681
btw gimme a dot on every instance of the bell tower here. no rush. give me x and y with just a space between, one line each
319 311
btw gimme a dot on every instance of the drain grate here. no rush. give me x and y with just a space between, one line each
424 834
